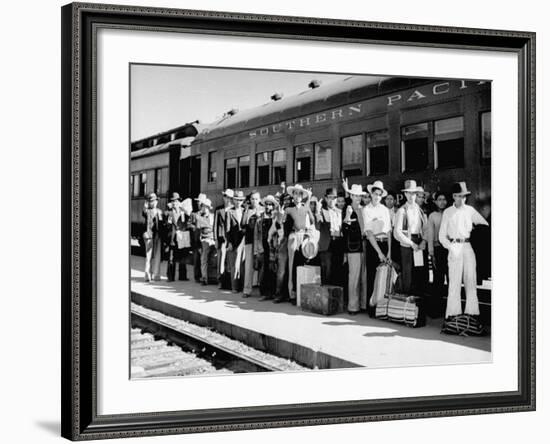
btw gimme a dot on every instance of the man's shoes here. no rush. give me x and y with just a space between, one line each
265 298
246 295
203 283
352 313
293 301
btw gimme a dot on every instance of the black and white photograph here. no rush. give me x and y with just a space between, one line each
286 221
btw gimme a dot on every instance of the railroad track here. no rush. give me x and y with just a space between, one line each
166 346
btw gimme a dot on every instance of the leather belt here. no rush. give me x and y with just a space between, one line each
460 241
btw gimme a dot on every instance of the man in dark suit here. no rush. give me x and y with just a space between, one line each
330 239
220 236
235 241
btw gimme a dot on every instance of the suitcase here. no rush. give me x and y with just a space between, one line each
384 282
463 325
322 299
306 274
401 308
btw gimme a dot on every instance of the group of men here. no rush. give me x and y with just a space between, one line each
260 242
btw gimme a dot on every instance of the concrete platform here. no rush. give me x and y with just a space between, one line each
316 341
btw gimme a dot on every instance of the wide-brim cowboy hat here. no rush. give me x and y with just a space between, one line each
309 248
410 186
460 188
357 190
377 185
152 197
298 188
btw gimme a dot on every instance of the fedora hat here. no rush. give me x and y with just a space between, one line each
238 195
460 188
270 198
357 190
309 248
175 196
228 193
298 188
201 197
152 197
377 185
410 186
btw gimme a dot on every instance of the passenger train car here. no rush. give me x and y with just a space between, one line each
363 128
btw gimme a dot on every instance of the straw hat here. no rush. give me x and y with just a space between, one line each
152 197
377 185
206 203
175 196
270 198
310 248
410 186
357 190
228 193
298 188
238 195
201 197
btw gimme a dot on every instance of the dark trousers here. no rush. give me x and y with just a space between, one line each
176 256
325 258
331 262
414 280
197 263
266 276
373 261
236 283
440 271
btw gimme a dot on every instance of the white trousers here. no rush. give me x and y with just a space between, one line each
248 268
462 268
295 240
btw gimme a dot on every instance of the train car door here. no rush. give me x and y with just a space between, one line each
190 176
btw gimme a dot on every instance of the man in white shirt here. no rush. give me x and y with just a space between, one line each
454 234
411 230
378 231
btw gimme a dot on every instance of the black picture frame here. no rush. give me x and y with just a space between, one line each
79 169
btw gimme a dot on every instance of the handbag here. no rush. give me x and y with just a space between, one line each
403 309
384 282
463 325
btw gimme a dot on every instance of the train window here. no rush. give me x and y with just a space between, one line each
377 153
414 147
486 135
263 161
323 160
231 173
303 162
212 166
135 185
162 180
352 155
279 166
244 171
143 184
449 143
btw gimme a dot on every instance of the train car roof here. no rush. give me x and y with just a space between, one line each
162 147
349 90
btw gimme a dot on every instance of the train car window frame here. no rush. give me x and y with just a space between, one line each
447 137
361 163
322 168
485 158
263 164
298 158
143 183
404 138
212 172
241 163
386 148
227 169
277 166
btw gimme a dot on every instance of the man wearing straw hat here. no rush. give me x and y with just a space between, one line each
178 238
299 221
411 230
330 239
220 237
151 237
205 226
353 227
378 230
195 239
235 241
249 220
265 255
454 234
